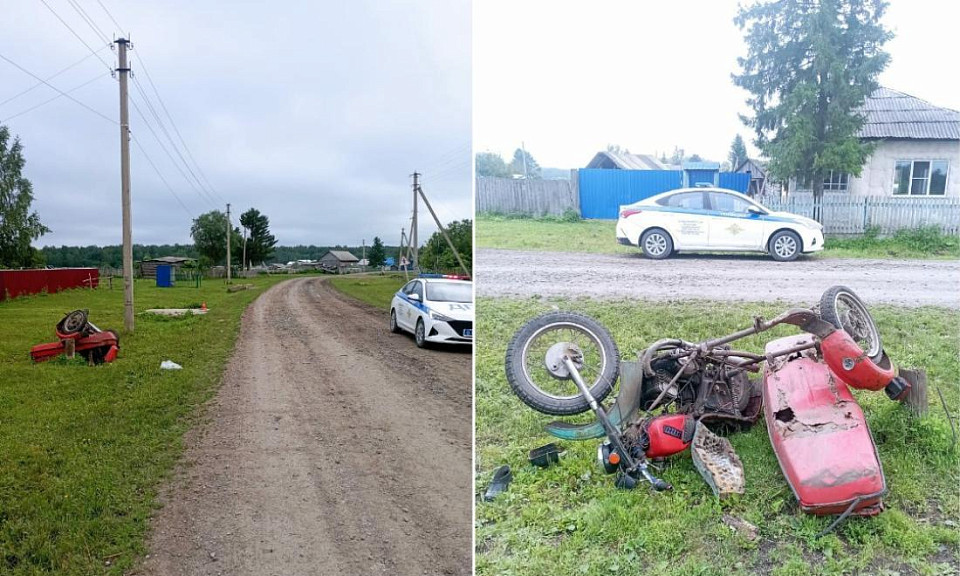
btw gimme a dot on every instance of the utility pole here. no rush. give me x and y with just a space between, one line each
243 262
124 70
444 232
364 253
523 149
413 229
228 242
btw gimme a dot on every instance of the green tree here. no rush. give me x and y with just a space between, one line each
809 68
523 164
738 152
260 242
436 254
490 164
377 255
209 233
19 227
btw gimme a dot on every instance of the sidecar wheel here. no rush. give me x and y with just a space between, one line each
841 307
538 387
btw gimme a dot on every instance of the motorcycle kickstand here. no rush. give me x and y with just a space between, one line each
632 469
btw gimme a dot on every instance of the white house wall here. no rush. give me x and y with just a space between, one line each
878 173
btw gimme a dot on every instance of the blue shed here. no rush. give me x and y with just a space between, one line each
164 276
701 174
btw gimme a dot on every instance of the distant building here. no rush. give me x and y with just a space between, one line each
148 267
917 150
338 260
607 160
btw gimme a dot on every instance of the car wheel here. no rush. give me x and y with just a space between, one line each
656 244
784 246
420 335
394 327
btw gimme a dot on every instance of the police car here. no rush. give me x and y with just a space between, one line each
435 308
716 220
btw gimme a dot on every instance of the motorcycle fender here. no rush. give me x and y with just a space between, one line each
850 363
623 410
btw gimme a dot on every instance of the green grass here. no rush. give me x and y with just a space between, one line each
570 519
374 290
82 449
599 237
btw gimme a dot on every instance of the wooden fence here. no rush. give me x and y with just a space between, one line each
527 197
855 214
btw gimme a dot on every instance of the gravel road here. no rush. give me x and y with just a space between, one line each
732 278
332 447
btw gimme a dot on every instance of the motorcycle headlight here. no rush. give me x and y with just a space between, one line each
440 317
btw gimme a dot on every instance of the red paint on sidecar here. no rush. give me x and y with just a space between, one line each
820 435
848 361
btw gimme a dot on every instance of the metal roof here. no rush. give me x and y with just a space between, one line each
893 114
343 256
627 161
169 259
701 165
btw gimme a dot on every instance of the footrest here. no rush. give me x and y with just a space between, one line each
716 461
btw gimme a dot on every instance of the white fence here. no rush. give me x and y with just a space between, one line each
855 214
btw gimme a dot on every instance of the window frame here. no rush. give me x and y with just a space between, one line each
842 183
929 178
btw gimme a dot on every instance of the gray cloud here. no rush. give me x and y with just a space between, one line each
314 113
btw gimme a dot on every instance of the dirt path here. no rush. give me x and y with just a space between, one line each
333 447
732 278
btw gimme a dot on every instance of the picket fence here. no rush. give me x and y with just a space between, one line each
841 215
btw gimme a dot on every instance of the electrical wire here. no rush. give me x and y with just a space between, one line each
109 15
57 97
86 18
74 32
162 179
62 93
38 84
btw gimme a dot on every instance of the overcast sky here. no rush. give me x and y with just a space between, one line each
569 77
313 112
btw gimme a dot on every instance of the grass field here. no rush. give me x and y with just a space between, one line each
373 289
599 237
82 449
570 519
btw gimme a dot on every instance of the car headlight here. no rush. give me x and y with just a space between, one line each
440 317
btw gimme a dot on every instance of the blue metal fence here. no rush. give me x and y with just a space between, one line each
602 192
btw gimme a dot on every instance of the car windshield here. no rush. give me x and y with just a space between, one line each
450 291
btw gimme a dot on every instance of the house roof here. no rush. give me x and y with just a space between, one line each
627 161
753 165
701 165
894 114
343 256
169 259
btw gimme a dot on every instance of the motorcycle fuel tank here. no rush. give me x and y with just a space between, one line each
820 435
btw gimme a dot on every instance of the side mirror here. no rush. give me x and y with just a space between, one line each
414 296
755 210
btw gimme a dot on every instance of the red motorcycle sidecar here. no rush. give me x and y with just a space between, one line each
817 429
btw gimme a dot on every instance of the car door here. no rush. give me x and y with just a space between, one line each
404 307
414 306
686 220
731 225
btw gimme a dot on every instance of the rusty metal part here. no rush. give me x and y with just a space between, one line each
715 459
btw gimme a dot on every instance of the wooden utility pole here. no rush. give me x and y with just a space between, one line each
124 70
243 261
413 228
444 232
228 242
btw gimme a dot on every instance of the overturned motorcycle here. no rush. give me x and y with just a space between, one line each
678 394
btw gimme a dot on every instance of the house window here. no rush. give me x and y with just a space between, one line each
835 180
920 178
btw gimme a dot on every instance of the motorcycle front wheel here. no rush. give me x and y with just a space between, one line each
841 307
532 380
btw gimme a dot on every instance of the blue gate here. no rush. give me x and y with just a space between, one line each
602 192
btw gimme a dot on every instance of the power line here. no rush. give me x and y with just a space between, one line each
30 89
109 15
62 93
162 179
57 97
74 32
167 152
93 25
176 130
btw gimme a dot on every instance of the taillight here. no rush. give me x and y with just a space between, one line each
627 212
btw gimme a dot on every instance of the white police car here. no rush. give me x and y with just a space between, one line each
435 308
714 219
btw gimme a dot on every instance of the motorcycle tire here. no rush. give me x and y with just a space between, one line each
543 401
830 311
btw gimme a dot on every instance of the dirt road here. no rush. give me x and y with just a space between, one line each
333 447
731 278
